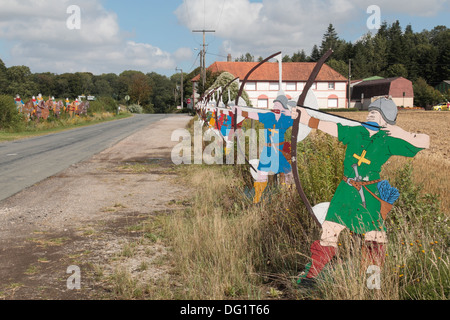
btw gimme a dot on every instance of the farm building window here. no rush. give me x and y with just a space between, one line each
333 103
291 86
274 86
263 102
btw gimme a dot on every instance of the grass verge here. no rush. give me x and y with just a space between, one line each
48 127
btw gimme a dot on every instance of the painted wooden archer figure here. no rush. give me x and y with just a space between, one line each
362 200
19 103
274 158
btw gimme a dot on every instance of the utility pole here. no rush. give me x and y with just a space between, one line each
181 88
349 81
203 55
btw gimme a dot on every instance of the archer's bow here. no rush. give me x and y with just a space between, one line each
241 90
295 130
219 99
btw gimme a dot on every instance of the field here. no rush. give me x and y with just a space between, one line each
224 247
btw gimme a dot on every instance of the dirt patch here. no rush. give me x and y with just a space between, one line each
89 216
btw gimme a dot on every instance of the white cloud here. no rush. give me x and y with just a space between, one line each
38 35
183 54
262 28
418 8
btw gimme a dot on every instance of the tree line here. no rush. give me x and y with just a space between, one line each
422 57
154 92
390 52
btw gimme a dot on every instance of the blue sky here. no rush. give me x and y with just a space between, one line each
152 22
151 35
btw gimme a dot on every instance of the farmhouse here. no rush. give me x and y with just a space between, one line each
363 92
263 85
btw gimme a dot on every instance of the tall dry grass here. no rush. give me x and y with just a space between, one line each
211 240
224 247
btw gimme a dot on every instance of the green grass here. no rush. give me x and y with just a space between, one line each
33 129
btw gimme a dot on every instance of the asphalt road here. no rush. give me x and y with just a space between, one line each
26 162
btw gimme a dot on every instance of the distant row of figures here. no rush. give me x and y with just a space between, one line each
38 108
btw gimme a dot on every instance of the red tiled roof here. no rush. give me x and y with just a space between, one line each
292 71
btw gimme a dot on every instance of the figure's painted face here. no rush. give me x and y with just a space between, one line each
277 108
375 116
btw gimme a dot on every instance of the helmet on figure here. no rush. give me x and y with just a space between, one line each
387 108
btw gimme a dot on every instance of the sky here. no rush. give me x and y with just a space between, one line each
111 36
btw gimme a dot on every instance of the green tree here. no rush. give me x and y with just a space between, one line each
45 83
315 54
397 70
124 83
86 82
397 49
75 82
248 57
20 81
427 59
162 99
3 77
210 79
362 60
424 94
221 81
102 87
339 65
299 56
140 89
441 41
330 40
187 87
62 87
411 41
9 117
379 55
108 85
286 58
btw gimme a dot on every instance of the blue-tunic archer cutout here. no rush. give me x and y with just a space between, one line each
227 125
272 159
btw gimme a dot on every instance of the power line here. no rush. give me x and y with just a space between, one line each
215 54
219 21
203 53
190 19
220 17
195 62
